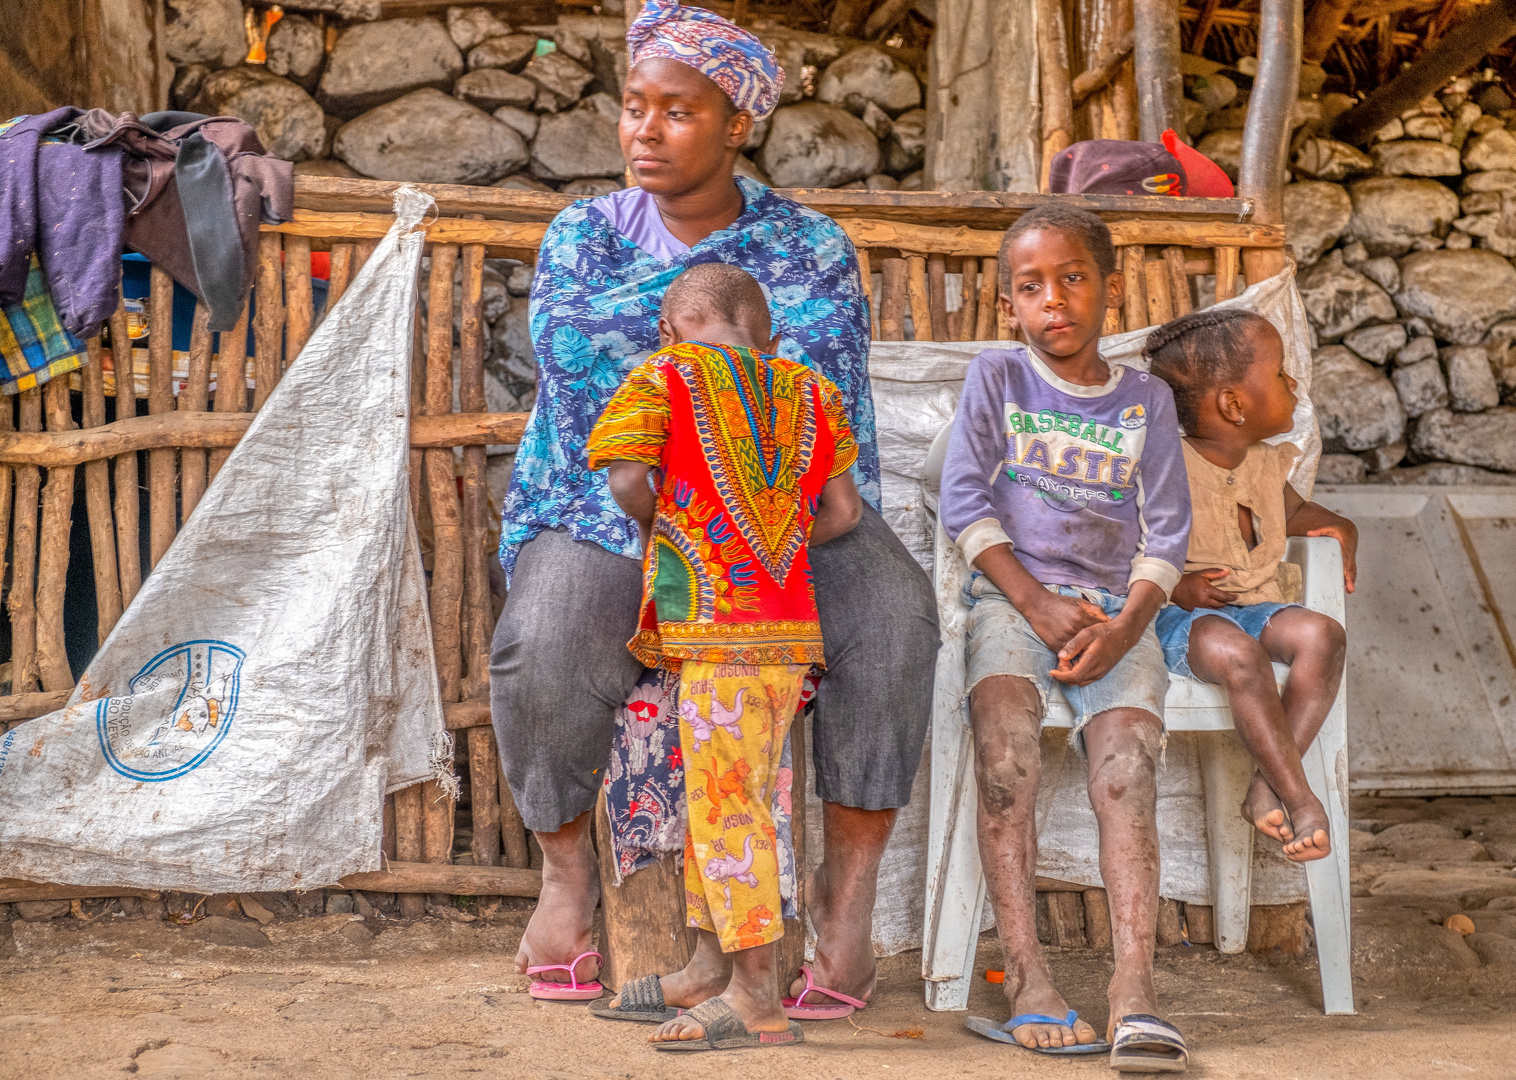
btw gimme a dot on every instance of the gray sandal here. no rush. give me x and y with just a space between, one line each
724 1030
640 1001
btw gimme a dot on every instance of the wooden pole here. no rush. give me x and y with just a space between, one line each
476 582
921 307
1160 87
97 498
298 298
441 483
268 331
231 378
23 598
162 481
936 271
968 314
1179 281
128 525
1265 139
193 398
892 301
1057 95
1136 287
484 796
408 845
513 846
1460 48
989 296
52 563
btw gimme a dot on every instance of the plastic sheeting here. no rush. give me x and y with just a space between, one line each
274 677
916 387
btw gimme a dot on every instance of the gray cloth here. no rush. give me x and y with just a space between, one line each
560 667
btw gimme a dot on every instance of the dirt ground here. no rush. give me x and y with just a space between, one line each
344 995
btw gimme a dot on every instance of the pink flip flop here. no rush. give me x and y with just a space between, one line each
573 990
841 1006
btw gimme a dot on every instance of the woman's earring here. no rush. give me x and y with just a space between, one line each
1240 421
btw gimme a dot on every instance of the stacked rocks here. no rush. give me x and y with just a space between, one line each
470 99
1404 259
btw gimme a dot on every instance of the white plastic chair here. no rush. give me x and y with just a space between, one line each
955 889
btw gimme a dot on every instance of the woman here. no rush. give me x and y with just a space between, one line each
560 665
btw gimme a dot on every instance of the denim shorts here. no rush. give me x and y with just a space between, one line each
1173 625
1002 642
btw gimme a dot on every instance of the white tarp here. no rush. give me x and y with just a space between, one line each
274 678
916 387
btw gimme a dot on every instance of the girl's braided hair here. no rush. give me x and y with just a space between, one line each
1199 351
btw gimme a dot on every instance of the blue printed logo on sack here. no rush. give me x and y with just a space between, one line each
179 709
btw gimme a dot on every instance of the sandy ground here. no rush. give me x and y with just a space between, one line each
348 996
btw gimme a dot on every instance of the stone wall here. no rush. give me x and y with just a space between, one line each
465 98
1404 259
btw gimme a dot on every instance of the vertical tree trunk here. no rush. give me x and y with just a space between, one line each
1160 87
1265 139
1054 77
960 97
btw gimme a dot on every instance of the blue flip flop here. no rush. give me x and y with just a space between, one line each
1002 1033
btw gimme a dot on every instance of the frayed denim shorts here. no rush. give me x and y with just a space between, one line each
1173 625
1002 642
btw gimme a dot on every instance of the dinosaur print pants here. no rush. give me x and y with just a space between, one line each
732 723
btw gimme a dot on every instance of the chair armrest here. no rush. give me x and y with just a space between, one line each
1320 562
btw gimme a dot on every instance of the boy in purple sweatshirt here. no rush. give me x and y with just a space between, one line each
1064 487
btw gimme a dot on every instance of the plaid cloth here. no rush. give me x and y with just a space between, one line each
32 340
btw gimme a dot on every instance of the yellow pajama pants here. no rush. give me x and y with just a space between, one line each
732 722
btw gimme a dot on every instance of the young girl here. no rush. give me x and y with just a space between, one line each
1226 369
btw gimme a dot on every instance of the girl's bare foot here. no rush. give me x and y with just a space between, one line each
1310 839
1265 812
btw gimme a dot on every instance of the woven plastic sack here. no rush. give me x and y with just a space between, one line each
274 677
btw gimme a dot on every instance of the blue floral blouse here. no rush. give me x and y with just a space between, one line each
594 317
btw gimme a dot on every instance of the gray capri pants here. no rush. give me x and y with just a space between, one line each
560 667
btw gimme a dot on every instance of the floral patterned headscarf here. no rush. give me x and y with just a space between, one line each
720 50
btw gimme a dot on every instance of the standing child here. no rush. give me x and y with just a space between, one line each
752 453
1226 369
1064 488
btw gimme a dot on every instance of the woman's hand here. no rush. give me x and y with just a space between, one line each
1345 533
1195 590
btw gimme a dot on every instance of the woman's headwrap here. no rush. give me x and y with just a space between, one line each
720 50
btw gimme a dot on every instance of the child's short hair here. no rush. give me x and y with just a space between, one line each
1200 350
1084 226
718 290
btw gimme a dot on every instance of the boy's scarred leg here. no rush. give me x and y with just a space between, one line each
731 866
1279 802
1123 747
561 924
1315 646
1006 714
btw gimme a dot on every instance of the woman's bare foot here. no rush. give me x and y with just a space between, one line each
1040 997
705 976
560 927
1311 839
1265 812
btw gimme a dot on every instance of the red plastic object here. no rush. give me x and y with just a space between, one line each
1204 178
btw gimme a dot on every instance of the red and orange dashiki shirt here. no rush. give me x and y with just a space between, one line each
743 444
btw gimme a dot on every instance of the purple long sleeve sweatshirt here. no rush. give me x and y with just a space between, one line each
1086 483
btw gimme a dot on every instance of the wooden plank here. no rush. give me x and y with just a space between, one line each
936 270
299 300
193 464
1160 305
1097 919
989 294
892 301
22 600
968 314
1064 910
1200 922
408 848
484 796
1226 272
960 241
162 481
921 308
1277 927
1168 924
644 929
268 329
476 607
866 280
521 236
97 498
441 483
1179 281
397 877
221 431
128 542
231 380
52 562
993 209
340 273
1136 288
25 706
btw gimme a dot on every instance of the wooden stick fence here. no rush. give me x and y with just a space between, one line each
913 241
